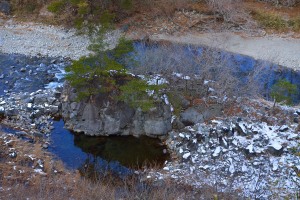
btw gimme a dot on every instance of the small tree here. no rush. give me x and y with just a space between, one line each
283 91
104 72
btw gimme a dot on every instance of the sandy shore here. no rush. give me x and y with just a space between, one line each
282 51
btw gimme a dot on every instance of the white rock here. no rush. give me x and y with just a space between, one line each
186 155
275 144
29 105
180 150
250 148
217 151
166 168
244 168
231 167
275 165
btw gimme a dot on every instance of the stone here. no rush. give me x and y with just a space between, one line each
2 111
296 120
2 76
284 128
186 155
106 117
13 154
53 109
275 150
23 69
157 127
40 98
12 112
177 124
191 116
217 152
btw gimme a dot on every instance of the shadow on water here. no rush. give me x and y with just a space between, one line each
119 155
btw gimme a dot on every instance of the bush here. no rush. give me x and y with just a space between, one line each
283 91
271 21
56 6
295 24
283 2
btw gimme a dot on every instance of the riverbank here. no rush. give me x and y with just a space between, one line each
220 141
41 40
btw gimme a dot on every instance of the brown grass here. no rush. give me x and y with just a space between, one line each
18 181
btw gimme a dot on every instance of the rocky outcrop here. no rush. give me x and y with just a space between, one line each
103 116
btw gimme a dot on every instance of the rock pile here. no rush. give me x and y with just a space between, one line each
237 154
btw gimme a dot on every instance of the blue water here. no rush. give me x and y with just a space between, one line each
39 72
118 155
266 73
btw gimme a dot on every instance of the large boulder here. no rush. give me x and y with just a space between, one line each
103 116
191 116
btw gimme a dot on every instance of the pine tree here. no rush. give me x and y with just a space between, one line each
283 91
104 72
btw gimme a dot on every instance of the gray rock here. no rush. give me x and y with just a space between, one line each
13 154
2 76
274 151
191 116
296 120
37 113
104 116
156 127
40 98
2 111
177 124
283 128
73 105
12 112
23 69
241 128
53 109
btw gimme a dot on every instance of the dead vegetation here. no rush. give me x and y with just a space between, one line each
169 16
33 173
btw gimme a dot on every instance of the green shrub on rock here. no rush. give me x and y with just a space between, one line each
283 91
104 72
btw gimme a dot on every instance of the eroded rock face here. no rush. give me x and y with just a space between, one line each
103 116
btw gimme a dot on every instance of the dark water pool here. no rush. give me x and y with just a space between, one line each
117 154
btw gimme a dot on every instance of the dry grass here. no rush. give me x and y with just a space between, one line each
19 181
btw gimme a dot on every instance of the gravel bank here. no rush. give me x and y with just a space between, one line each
35 39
